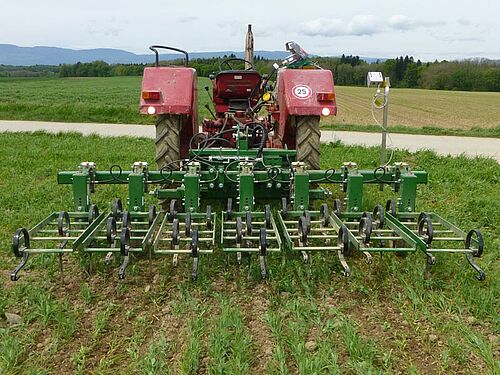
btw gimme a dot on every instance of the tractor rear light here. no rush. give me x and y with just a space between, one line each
151 95
325 111
151 110
326 96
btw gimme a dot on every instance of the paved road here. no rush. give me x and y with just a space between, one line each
444 145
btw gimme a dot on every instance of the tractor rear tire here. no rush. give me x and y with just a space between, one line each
308 140
168 147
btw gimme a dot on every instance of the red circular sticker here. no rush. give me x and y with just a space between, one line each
301 91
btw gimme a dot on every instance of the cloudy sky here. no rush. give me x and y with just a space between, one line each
426 29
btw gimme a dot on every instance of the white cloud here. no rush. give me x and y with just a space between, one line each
365 24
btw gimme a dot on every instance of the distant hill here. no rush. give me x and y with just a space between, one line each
25 56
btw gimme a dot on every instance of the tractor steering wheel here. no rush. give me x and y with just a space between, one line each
226 62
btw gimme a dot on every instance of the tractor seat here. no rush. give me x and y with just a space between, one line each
237 84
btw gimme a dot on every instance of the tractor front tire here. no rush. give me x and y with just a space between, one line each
308 140
168 147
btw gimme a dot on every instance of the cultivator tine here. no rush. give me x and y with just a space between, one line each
481 276
20 250
191 233
123 267
124 250
14 275
245 233
195 254
263 252
475 252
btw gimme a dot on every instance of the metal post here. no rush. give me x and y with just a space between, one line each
383 154
245 186
300 186
383 151
249 48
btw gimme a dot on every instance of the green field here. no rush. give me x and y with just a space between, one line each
115 100
306 319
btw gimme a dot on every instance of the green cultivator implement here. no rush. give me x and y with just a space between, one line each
256 162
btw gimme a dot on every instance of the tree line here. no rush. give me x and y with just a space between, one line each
348 70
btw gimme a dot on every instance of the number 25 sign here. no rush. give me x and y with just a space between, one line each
301 91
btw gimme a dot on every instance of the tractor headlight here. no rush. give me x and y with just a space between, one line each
325 111
151 110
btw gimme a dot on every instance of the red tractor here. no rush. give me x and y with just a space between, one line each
284 114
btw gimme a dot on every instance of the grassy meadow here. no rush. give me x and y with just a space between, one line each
115 100
306 319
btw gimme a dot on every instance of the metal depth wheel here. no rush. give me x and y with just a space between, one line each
187 225
93 213
172 211
63 224
390 206
229 210
151 214
378 213
307 216
209 217
126 220
168 148
479 238
21 232
425 229
302 227
365 228
125 241
284 207
344 240
263 253
337 207
195 254
267 216
111 230
308 142
239 230
248 219
117 208
175 232
324 214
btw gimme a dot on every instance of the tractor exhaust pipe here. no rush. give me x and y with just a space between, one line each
249 48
